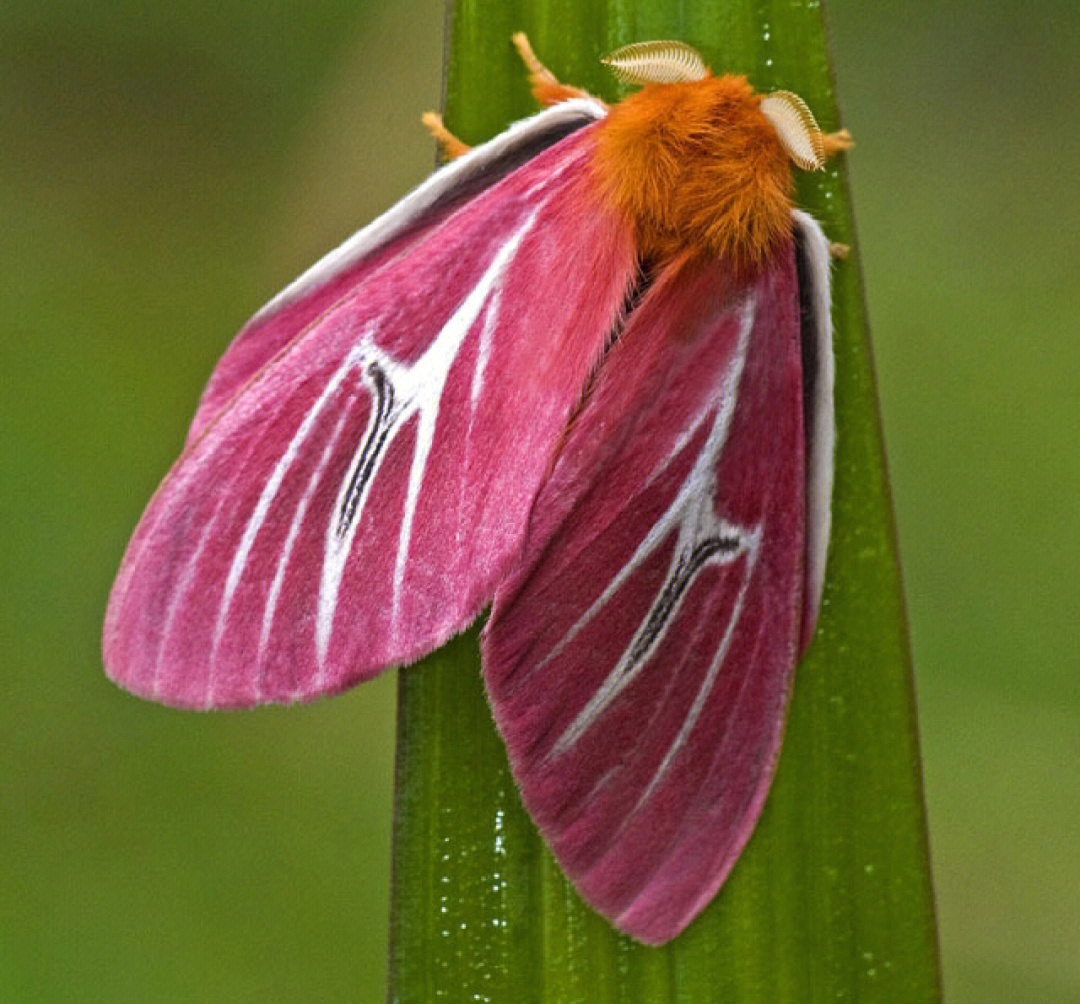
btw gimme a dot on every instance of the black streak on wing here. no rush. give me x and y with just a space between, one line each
382 421
469 186
688 565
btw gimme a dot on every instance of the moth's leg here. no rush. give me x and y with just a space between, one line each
450 145
546 88
837 142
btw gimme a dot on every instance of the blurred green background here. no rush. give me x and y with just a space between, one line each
164 168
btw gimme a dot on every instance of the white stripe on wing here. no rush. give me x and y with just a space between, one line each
414 388
693 515
267 496
290 541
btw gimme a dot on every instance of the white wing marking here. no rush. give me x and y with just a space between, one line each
693 514
290 541
266 498
409 389
753 544
484 352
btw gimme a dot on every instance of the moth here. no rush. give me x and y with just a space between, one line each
583 376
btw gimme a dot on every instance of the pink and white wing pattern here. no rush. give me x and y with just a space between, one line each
639 663
355 491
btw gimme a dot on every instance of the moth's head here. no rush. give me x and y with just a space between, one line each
698 163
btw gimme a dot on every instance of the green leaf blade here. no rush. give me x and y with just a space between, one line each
831 899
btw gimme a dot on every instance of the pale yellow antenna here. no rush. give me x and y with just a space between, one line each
656 63
797 129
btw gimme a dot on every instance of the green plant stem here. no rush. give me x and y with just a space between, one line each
832 898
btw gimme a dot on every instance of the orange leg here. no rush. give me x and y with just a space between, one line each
451 146
837 142
546 87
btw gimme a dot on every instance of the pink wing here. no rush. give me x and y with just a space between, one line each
639 664
356 485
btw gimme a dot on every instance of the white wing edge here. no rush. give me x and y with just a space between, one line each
821 427
552 124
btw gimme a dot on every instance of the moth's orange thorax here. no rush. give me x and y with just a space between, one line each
697 167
